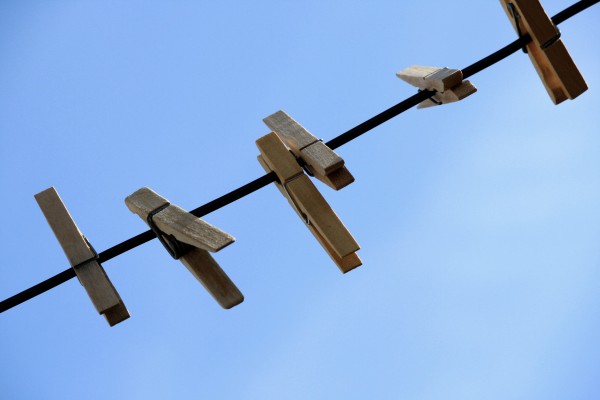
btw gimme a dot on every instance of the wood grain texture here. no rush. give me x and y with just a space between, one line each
533 20
346 263
290 131
322 216
303 144
175 221
431 78
337 179
66 231
91 275
554 64
202 236
444 79
271 150
320 158
321 161
306 199
216 282
563 66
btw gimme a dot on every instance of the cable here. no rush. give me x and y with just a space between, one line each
265 180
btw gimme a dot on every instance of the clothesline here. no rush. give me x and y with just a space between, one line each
271 177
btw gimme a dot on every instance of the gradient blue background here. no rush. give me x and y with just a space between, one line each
479 221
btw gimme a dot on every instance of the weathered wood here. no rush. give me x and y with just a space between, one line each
533 20
303 144
322 216
320 160
204 237
431 78
175 221
548 54
337 179
216 282
457 93
346 263
90 273
447 83
307 200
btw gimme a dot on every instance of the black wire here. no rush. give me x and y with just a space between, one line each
265 180
572 11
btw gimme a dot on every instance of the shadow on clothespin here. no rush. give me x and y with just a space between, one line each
317 159
448 84
188 239
308 202
546 50
82 258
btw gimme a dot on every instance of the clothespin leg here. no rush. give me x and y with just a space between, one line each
457 93
338 179
206 270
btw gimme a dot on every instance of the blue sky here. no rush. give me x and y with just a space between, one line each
478 221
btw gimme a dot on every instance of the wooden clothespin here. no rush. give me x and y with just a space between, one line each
546 50
188 239
82 258
448 84
308 202
320 161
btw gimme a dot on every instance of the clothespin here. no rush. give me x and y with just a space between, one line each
188 239
448 84
546 50
319 160
82 257
308 202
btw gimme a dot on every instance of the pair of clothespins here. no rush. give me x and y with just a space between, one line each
318 159
546 50
447 83
188 239
82 257
300 191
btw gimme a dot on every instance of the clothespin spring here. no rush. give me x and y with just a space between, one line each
303 163
516 17
552 40
432 99
173 246
92 258
309 144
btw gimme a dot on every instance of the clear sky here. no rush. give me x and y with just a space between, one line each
479 221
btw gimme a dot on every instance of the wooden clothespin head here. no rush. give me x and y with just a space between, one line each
447 83
546 50
308 202
188 239
82 257
315 156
